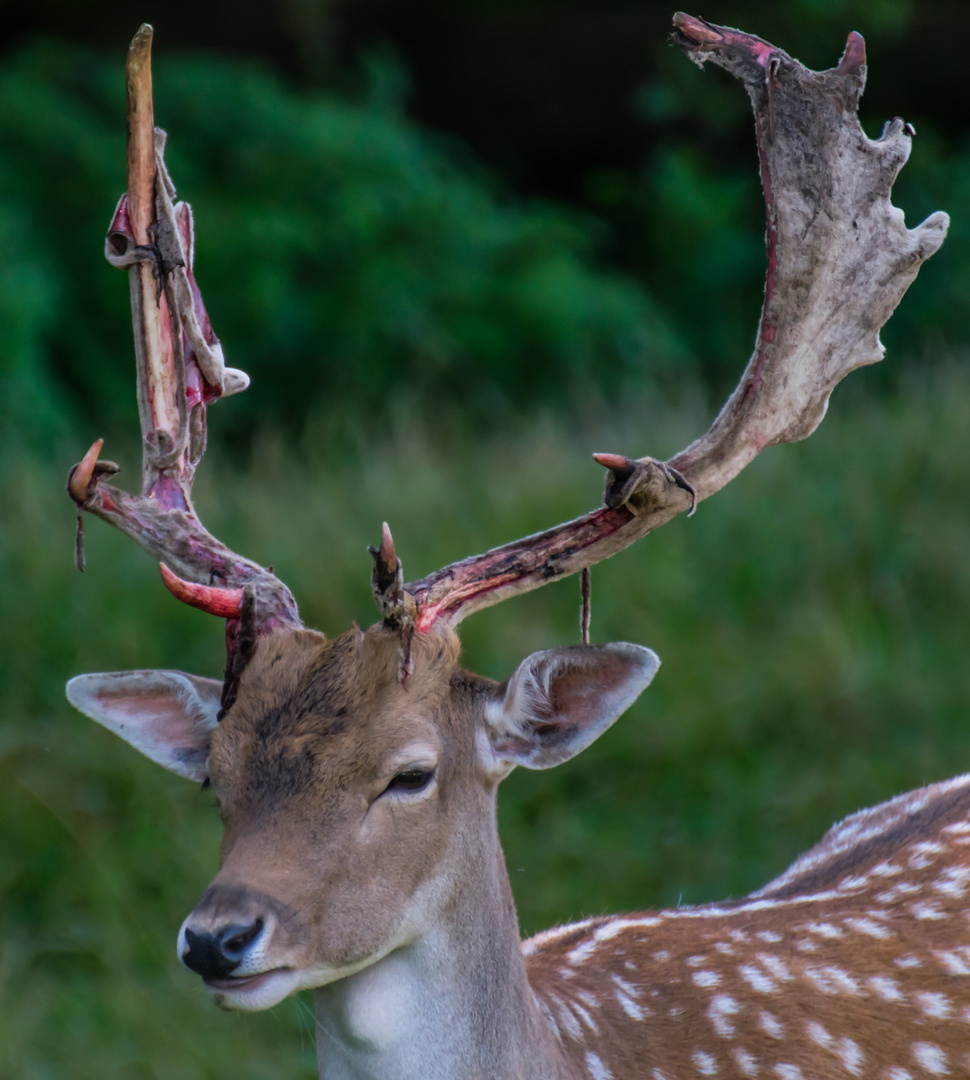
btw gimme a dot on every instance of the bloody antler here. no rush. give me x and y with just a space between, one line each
180 371
839 261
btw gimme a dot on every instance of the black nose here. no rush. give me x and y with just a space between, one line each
217 955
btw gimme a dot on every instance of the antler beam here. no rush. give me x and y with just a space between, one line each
839 261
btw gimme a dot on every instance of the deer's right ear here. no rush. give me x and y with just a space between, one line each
167 715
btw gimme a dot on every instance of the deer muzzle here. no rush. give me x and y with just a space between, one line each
234 940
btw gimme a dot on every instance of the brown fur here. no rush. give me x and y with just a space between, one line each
297 764
854 963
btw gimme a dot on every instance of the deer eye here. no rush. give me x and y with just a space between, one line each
410 780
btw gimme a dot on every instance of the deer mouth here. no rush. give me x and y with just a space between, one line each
252 993
244 982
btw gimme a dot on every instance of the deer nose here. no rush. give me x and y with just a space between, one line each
216 954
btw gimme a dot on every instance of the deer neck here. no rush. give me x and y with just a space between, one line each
456 1003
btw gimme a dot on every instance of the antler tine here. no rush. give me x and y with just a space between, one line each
180 370
225 603
387 583
839 261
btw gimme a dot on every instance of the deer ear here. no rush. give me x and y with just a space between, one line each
167 715
559 701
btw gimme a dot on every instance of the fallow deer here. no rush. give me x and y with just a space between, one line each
357 775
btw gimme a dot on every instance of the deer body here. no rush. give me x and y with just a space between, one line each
854 963
361 857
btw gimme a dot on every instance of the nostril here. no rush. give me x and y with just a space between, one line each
236 939
205 956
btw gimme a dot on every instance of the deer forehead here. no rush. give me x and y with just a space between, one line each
314 712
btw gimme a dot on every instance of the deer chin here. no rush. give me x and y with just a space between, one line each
252 993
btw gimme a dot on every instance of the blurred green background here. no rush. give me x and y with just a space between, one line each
459 246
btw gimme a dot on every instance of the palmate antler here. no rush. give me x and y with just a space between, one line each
839 261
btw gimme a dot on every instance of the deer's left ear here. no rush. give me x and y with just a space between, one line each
167 715
560 700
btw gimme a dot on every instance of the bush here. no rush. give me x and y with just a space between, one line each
346 259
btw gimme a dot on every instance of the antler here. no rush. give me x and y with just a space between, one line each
839 261
180 371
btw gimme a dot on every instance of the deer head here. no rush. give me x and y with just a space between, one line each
357 775
356 810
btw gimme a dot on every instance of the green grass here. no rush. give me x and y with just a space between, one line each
812 619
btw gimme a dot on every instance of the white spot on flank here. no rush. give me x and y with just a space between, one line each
661 956
757 979
908 961
844 981
695 961
588 999
958 827
824 929
895 1072
770 1025
868 926
585 1017
615 926
720 1011
739 936
706 979
854 883
582 952
886 869
818 1034
953 881
927 911
627 988
657 1075
628 1005
931 1058
567 1021
704 1063
789 1072
851 1055
832 980
565 973
936 1006
770 936
776 966
924 853
746 1063
953 962
597 1070
806 945
625 994
885 987
724 948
